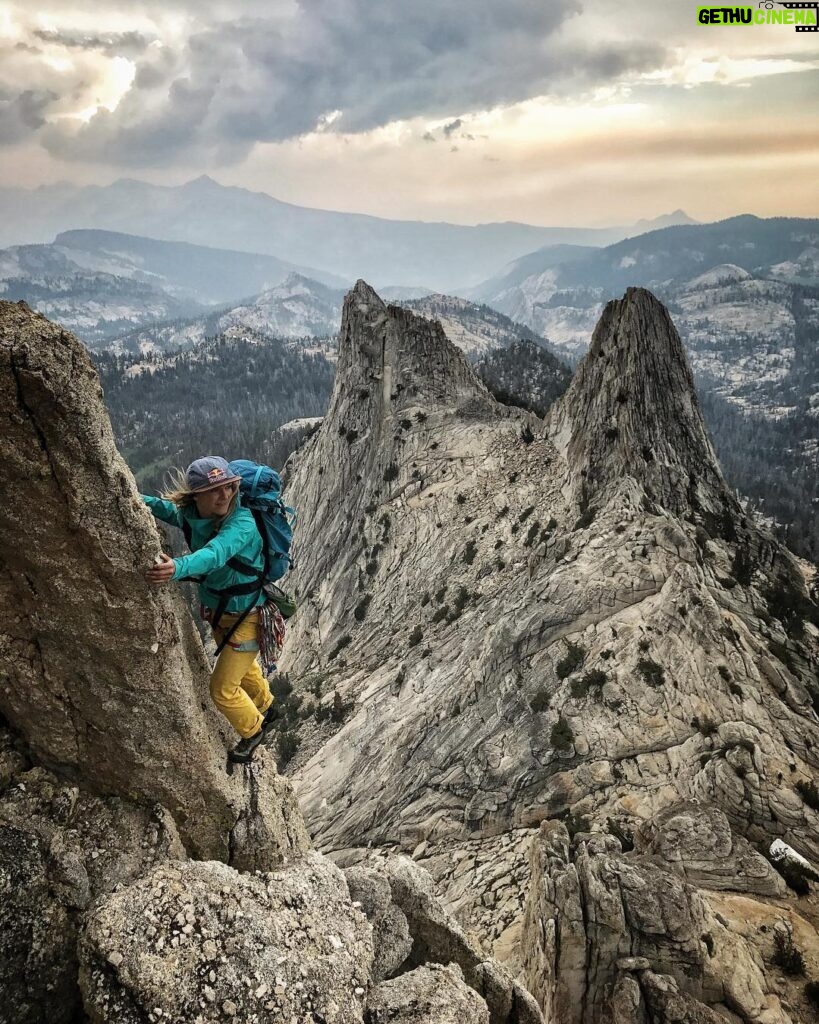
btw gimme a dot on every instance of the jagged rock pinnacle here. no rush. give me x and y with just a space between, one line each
457 590
395 370
632 410
399 356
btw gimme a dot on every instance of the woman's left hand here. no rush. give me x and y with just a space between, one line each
163 571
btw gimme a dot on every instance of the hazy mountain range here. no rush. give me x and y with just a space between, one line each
744 293
786 248
445 257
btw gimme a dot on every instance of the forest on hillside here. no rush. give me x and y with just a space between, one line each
226 397
773 463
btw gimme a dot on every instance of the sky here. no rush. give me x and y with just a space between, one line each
575 112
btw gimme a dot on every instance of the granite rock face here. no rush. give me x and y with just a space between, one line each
104 676
524 622
60 849
38 934
427 995
510 623
632 411
607 934
529 620
200 941
698 843
114 759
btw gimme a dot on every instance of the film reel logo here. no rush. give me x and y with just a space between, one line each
814 6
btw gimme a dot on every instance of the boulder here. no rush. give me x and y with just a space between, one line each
195 941
697 842
436 994
438 938
391 937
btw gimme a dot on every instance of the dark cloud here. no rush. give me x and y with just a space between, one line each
21 114
260 80
113 43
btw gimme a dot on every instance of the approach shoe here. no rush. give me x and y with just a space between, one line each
271 716
243 751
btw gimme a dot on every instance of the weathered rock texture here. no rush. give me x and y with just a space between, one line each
612 937
392 941
60 849
535 619
517 620
632 411
697 842
459 561
103 675
202 942
38 966
427 995
435 936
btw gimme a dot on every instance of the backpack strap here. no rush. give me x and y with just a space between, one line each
224 595
240 565
186 530
255 483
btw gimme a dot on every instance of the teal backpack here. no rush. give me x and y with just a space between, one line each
260 491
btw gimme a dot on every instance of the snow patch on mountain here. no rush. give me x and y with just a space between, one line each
296 308
805 268
725 272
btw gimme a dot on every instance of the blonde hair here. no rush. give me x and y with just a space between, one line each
177 491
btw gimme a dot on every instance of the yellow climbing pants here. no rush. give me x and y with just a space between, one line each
237 685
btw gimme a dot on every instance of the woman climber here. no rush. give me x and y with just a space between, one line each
227 560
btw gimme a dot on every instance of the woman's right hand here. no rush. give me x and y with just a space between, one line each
162 571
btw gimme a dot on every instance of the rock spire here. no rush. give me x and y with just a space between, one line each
104 676
632 411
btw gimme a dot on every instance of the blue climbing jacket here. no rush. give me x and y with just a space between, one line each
237 537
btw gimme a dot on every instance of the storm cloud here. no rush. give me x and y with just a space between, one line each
335 65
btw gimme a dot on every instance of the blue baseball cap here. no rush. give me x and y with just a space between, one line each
208 472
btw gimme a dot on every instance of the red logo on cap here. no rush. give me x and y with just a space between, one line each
214 474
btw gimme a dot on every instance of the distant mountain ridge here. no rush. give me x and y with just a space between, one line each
298 309
212 275
103 284
98 299
308 313
476 329
664 256
443 256
744 293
